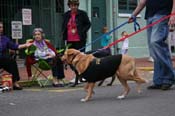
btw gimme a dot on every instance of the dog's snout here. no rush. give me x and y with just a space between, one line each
63 58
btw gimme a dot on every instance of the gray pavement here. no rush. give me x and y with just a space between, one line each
66 102
49 101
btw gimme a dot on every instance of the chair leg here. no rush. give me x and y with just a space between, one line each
36 74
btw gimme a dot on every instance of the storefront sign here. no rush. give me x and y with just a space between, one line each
16 29
27 16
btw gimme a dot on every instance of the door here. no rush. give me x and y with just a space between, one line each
98 21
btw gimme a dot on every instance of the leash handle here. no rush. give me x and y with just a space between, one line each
134 20
136 26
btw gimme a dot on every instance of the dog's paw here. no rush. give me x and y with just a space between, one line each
121 97
83 100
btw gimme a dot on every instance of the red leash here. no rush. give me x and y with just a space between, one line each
138 31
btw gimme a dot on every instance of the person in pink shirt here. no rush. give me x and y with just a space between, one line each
75 25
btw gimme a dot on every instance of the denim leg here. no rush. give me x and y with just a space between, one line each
149 30
156 75
163 68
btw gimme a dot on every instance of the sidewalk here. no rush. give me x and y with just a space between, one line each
142 64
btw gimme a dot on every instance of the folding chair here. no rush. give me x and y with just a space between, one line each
39 67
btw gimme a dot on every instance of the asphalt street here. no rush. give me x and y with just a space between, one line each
66 102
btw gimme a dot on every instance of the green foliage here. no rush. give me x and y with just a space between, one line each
30 50
42 64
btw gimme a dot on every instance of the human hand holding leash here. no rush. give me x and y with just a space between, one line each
172 19
132 19
136 24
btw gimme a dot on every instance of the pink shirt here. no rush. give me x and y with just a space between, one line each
72 29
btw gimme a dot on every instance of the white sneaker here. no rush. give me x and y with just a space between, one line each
73 80
150 59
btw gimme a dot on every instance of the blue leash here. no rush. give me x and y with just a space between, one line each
105 34
136 27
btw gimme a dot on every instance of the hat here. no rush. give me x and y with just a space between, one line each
73 2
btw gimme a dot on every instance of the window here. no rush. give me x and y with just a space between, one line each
59 6
127 6
95 11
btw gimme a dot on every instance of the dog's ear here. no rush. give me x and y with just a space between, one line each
70 52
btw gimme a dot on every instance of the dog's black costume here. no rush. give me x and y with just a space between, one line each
102 68
99 54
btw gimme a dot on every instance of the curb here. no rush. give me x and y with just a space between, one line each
28 83
145 68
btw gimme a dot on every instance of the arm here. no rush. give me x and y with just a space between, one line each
52 52
86 21
66 18
49 45
138 9
15 46
26 45
172 18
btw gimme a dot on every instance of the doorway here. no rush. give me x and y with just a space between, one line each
98 21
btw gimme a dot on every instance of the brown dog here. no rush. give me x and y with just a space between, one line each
96 69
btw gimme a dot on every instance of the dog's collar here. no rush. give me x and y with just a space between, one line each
74 58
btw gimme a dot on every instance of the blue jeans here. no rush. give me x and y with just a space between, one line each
163 67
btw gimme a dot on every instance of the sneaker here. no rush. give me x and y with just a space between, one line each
154 87
166 86
73 80
150 59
